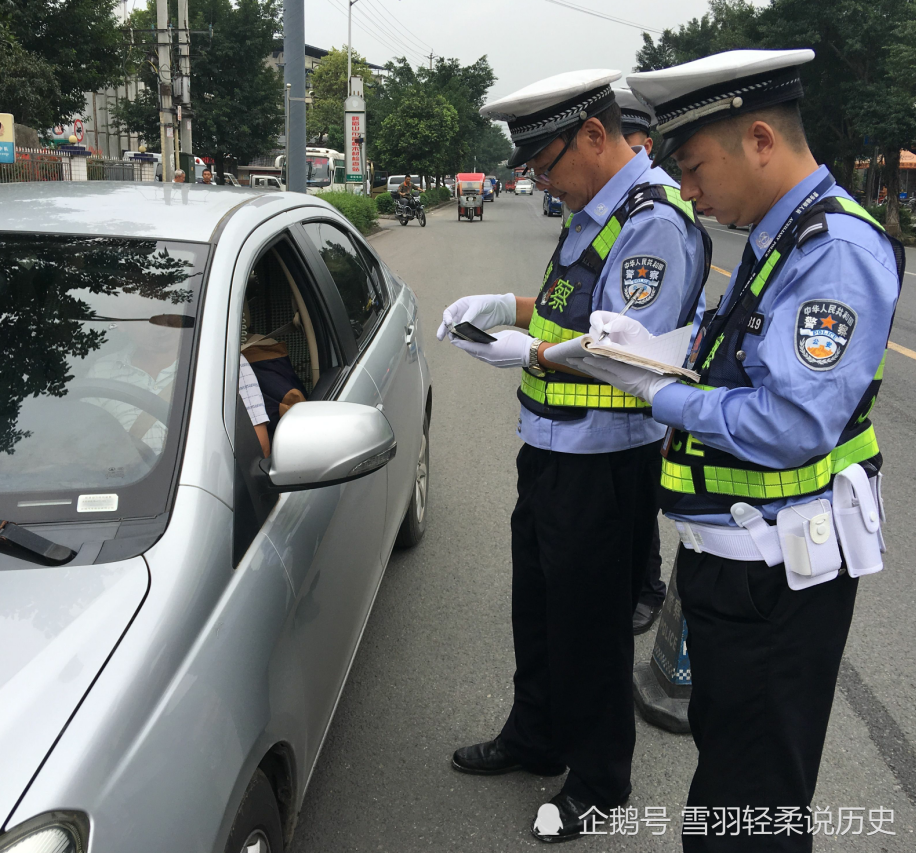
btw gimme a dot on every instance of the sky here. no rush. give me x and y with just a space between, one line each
524 40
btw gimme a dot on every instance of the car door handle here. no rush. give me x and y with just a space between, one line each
411 333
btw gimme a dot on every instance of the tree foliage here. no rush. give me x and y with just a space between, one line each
417 134
52 52
329 87
236 97
860 86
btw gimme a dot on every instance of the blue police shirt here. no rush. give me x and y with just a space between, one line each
797 408
656 238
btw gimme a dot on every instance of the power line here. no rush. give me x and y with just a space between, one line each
385 28
408 33
396 50
595 14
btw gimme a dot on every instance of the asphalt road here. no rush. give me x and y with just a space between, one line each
434 671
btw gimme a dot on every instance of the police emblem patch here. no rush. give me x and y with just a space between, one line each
642 276
822 333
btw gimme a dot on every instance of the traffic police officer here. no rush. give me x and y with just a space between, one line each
771 472
587 502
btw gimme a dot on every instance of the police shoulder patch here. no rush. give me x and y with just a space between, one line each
823 330
642 276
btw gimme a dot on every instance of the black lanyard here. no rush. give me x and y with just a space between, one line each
787 227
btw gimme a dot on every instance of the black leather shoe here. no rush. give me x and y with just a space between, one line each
567 821
492 758
644 616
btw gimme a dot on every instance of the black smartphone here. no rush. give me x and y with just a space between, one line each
470 332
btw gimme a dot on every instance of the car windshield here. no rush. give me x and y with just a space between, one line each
95 339
319 172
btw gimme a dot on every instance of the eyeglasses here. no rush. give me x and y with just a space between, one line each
543 179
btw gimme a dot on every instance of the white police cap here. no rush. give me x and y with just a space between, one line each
539 113
689 96
635 116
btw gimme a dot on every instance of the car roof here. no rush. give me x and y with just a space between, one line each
149 209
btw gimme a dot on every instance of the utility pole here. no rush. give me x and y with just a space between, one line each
294 78
166 128
432 56
184 64
351 3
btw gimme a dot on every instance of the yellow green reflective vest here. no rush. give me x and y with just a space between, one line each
698 479
564 305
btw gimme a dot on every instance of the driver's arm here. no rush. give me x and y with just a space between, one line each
251 395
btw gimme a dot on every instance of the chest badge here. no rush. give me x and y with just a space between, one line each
823 332
642 276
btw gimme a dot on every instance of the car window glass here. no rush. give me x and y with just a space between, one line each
97 336
352 275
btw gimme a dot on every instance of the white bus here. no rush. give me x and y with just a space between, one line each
327 172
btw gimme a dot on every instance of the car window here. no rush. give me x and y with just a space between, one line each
96 336
353 275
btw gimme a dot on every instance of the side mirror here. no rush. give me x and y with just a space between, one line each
325 443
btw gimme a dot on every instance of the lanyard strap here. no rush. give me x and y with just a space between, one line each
788 229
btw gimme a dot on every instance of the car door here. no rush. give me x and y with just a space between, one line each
329 540
386 335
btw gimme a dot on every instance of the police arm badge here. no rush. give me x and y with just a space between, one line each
823 330
642 276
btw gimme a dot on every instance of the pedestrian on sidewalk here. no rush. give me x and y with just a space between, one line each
771 470
587 505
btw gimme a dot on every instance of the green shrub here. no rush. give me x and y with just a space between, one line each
906 216
445 194
384 203
359 209
424 199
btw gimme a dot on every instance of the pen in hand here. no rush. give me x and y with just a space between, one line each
626 308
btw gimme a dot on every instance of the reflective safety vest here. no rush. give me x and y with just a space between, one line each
564 306
699 479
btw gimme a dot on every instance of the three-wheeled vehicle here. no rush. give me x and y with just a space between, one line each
469 189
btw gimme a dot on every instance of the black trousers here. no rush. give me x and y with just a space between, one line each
764 662
581 532
653 587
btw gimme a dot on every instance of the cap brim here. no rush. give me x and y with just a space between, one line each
521 154
670 145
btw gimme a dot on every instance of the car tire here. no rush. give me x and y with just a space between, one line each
414 524
257 822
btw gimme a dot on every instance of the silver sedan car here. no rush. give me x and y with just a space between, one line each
214 415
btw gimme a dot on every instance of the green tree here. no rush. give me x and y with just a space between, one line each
492 148
28 88
329 87
76 46
236 97
416 136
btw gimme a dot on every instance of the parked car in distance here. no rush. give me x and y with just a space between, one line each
394 181
183 595
552 206
524 186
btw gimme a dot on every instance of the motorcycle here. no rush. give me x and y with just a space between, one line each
406 209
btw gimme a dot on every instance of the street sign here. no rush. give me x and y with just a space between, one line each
7 139
355 132
179 113
78 129
355 125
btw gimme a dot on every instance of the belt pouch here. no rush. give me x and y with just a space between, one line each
809 543
858 521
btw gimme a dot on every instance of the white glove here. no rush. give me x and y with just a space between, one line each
485 312
637 381
569 354
611 327
510 349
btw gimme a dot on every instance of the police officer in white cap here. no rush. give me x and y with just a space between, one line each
636 119
772 464
582 526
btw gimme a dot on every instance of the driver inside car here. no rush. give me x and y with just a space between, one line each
149 363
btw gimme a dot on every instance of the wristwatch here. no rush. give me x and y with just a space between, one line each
534 366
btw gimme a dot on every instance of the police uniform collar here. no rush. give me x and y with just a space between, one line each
690 96
613 193
539 113
764 233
